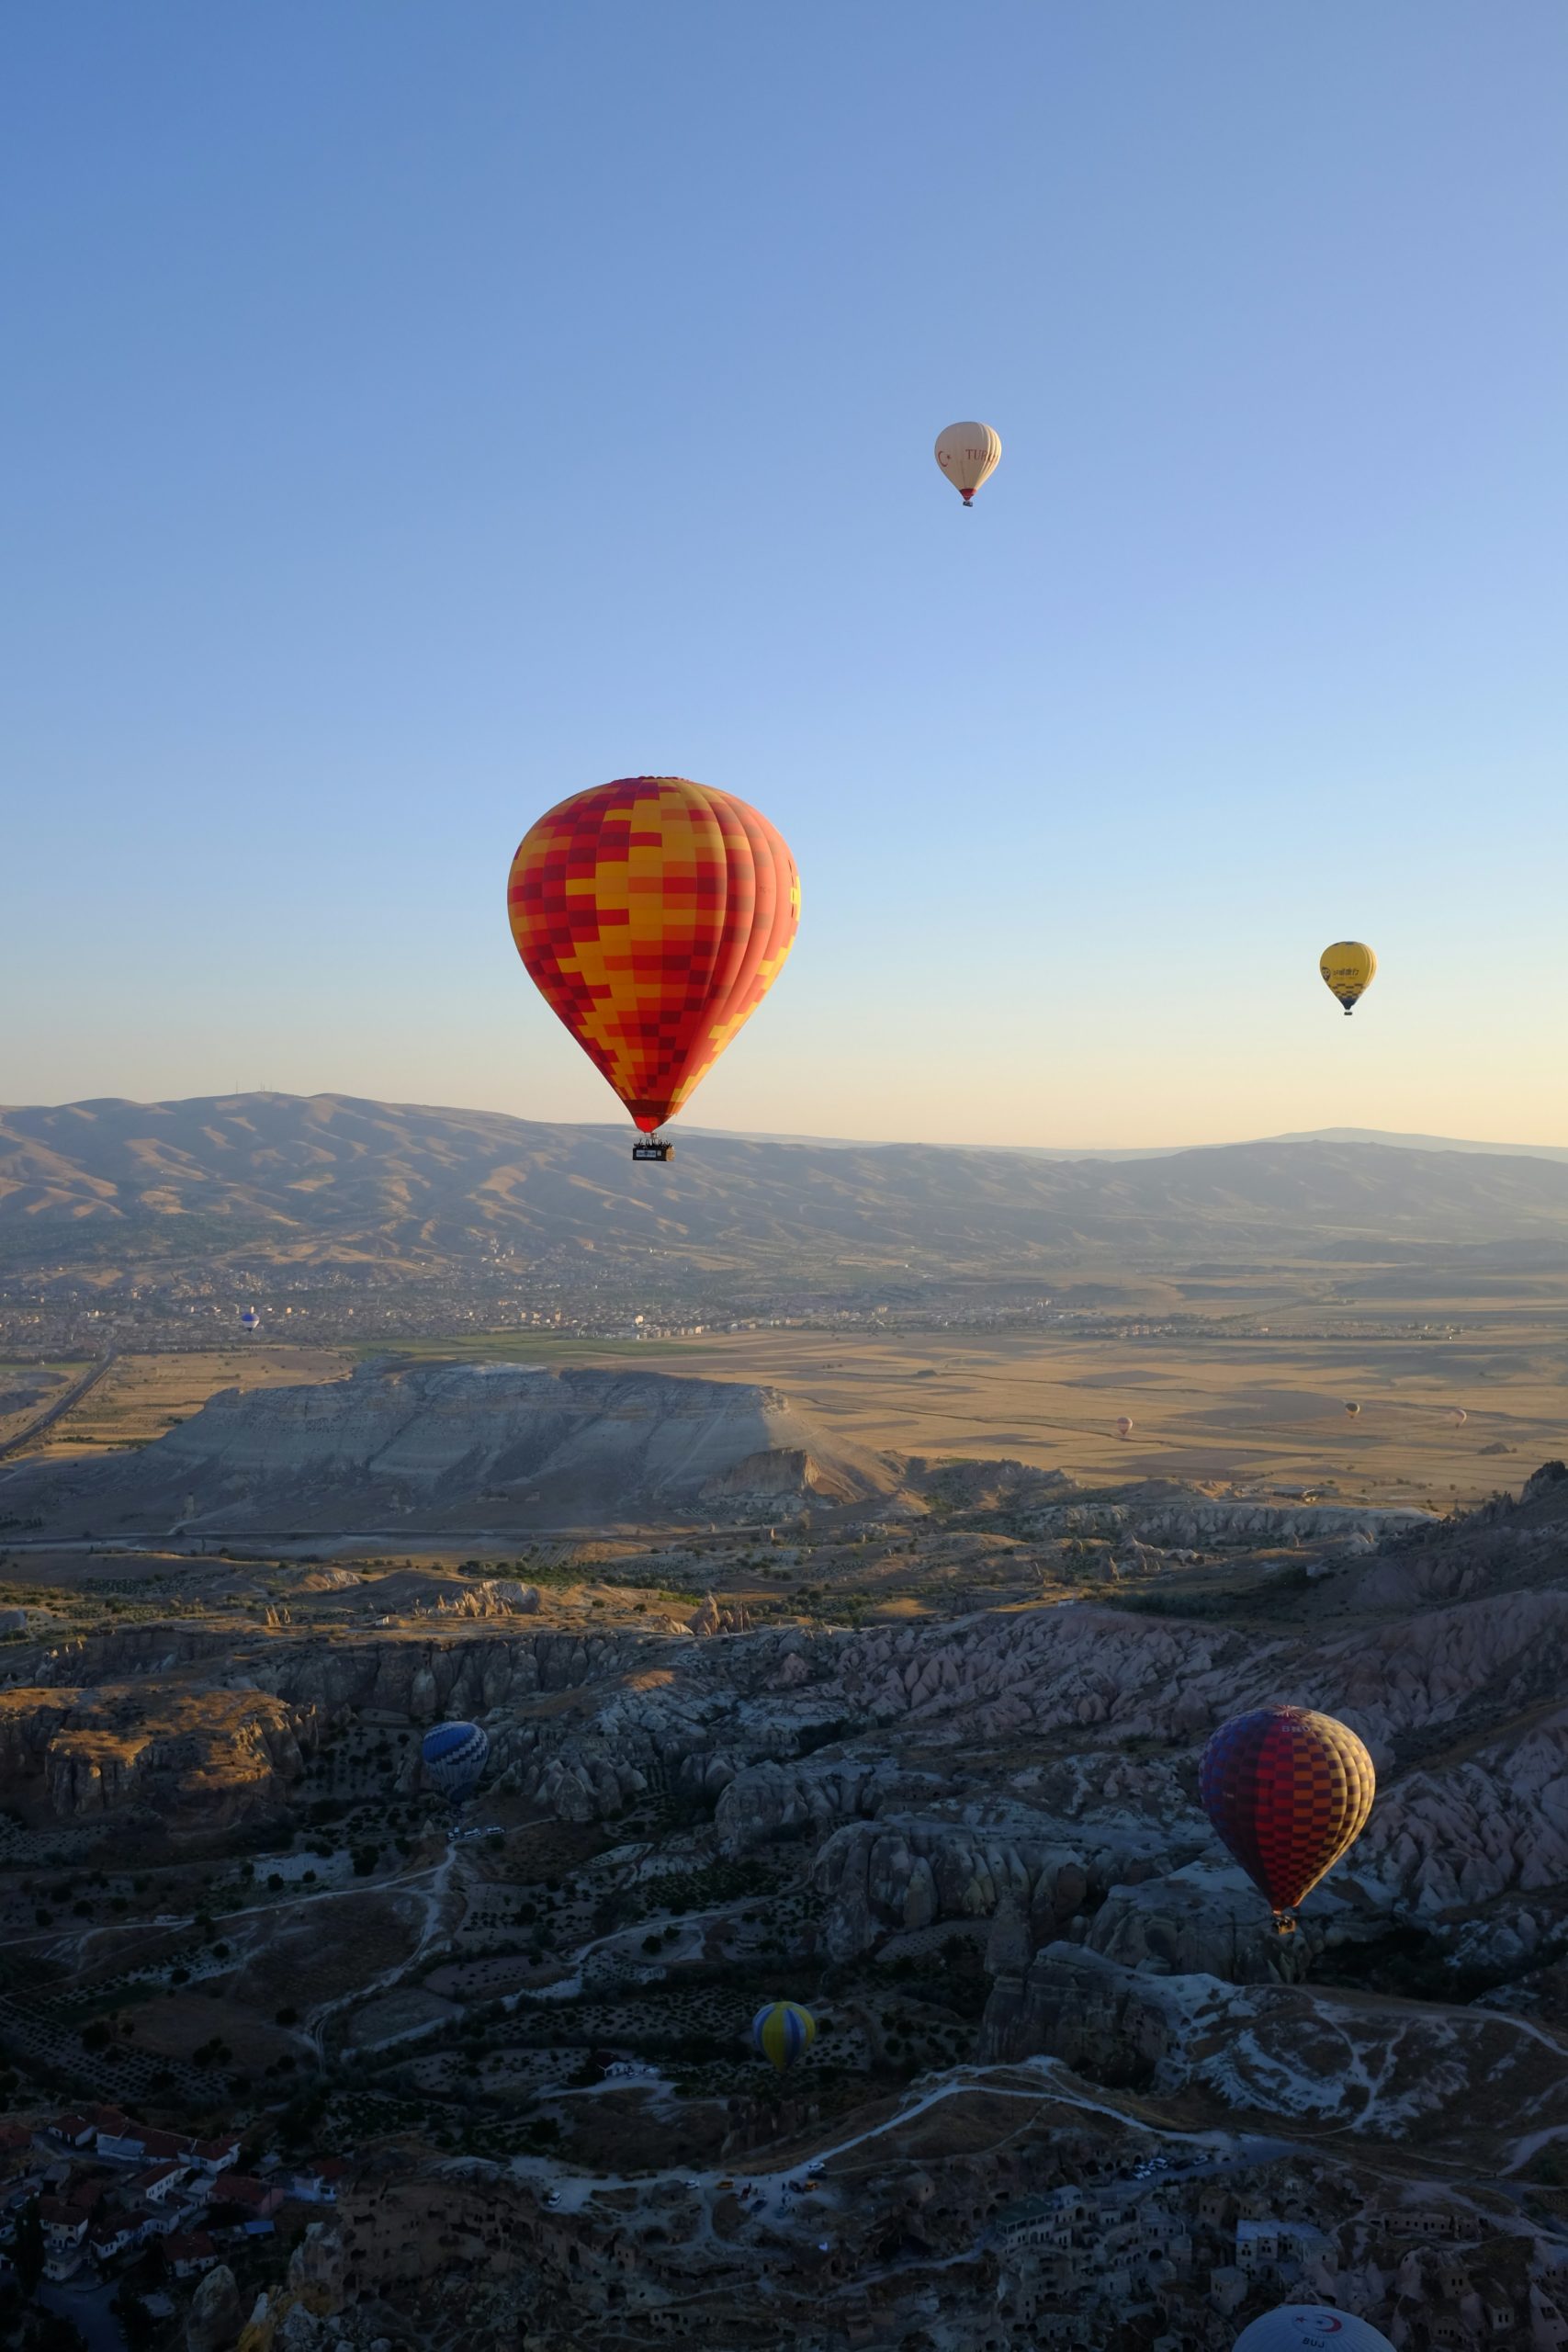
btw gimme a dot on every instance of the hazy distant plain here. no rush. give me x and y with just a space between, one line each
1266 1409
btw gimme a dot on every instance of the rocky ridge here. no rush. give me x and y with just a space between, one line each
503 1443
203 1757
1274 2051
973 1843
1080 1721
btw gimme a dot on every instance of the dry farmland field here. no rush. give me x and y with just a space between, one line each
1258 1407
140 1398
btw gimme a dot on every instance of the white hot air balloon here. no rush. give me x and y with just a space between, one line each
1458 1416
1124 1424
1311 2327
968 454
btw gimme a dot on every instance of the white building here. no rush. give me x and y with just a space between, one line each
1264 2248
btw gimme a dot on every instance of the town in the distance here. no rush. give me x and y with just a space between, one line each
558 1794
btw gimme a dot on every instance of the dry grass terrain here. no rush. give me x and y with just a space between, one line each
28 1389
1254 1407
1263 1410
141 1397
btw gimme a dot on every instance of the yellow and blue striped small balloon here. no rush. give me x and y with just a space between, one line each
784 2032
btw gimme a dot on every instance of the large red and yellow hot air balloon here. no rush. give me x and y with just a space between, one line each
653 916
1288 1791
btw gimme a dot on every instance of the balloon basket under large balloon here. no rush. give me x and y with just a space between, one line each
651 1148
1284 1923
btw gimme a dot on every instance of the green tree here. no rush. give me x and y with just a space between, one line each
135 2319
49 2332
27 2249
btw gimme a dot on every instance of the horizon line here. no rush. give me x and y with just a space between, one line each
1399 1139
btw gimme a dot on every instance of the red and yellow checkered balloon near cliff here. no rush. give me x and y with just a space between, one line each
1289 1791
653 915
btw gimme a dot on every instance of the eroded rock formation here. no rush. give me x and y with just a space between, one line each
491 1441
215 1754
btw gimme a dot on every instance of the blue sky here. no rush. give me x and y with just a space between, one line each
416 414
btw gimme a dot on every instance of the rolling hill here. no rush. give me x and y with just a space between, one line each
331 1179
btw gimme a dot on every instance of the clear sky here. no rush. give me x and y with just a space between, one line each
413 414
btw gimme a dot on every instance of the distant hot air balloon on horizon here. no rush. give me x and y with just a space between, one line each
968 454
454 1755
250 1320
1288 1791
1311 2327
1351 1409
782 2031
1348 969
653 915
1458 1416
1124 1424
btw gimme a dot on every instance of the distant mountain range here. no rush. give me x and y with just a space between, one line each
328 1179
1428 1143
1169 1150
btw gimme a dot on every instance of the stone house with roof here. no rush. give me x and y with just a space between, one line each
256 2199
112 2236
1264 2248
1423 2222
160 2221
1045 2223
189 2254
159 2182
118 2138
65 2229
1548 2321
1499 2310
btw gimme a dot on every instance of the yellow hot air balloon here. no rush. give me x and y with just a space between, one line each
1348 969
968 455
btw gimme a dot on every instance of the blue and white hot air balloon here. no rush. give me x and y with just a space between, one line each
782 2031
455 1757
250 1320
